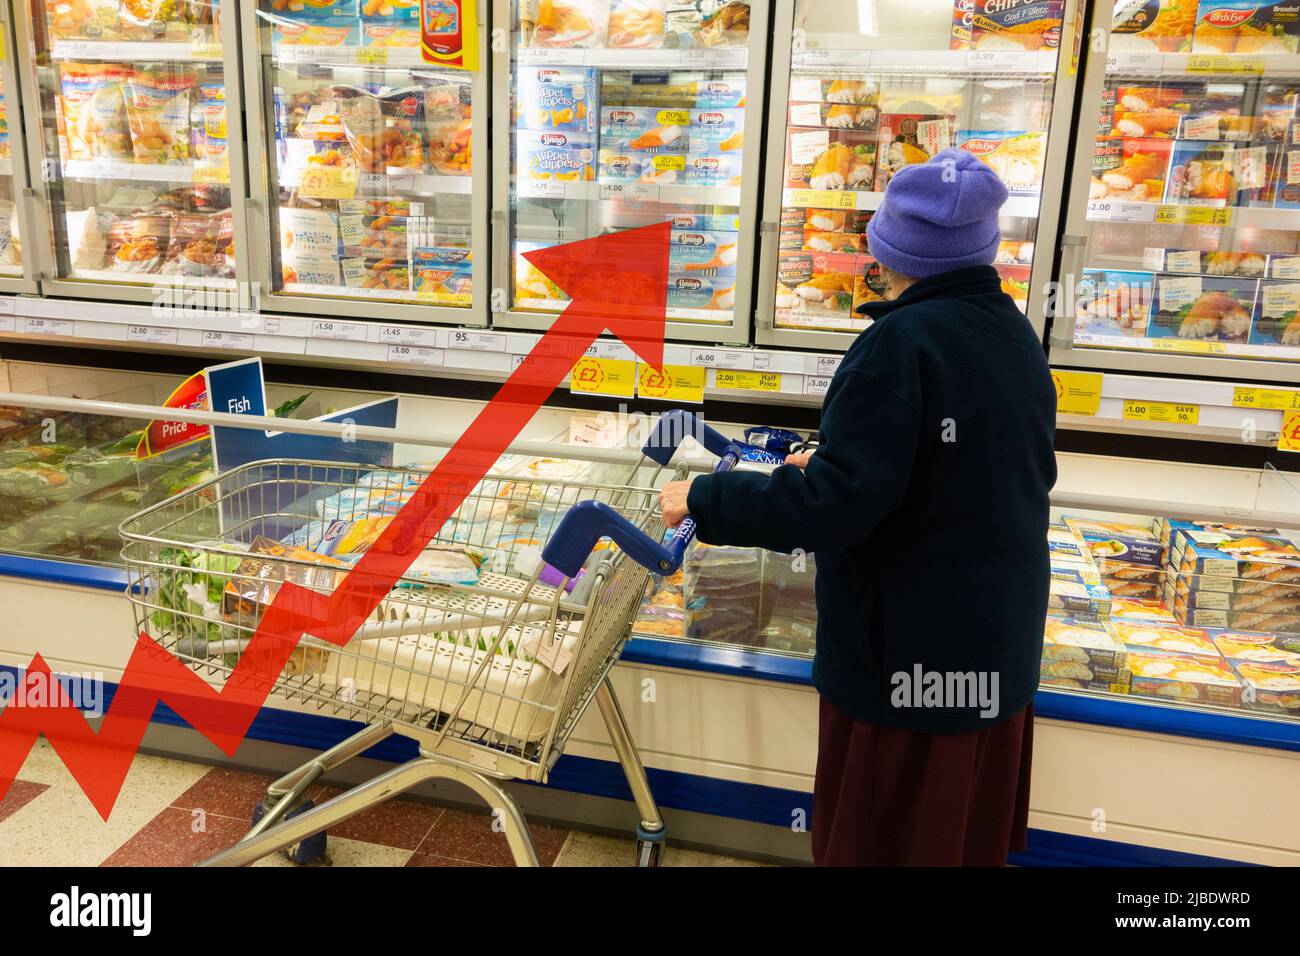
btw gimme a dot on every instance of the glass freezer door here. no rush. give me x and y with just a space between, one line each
366 198
1185 228
863 88
614 114
128 111
15 275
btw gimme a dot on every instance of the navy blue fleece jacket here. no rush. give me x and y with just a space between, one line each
926 506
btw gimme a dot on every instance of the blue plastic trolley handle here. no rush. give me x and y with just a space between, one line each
588 521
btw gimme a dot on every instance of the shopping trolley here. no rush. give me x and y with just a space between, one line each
485 660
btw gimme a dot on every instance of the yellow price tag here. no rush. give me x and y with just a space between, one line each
328 182
1193 346
673 118
1289 438
677 383
1077 393
372 56
203 50
1274 399
212 174
1205 63
750 381
1176 413
597 376
823 198
1175 214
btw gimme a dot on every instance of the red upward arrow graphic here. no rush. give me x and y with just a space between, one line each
617 282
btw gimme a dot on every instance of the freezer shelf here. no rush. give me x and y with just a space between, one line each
871 91
1193 210
372 156
627 114
132 114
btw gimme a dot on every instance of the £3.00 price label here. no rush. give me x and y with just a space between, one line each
750 381
1174 214
1274 399
597 376
415 355
1177 413
676 383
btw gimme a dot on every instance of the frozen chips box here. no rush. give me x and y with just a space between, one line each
558 98
1202 307
1183 677
1153 26
1114 302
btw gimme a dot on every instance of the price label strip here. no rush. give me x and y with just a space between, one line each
1175 214
415 355
747 381
1272 399
1175 413
676 383
597 376
822 198
1077 393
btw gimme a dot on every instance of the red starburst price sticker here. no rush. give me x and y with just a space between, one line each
1288 438
597 376
1077 393
676 383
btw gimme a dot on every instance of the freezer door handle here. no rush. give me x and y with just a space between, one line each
1072 252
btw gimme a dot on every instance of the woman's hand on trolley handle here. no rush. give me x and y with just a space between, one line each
672 497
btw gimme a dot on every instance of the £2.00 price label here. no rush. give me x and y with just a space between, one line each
1177 413
750 381
1077 393
597 376
676 383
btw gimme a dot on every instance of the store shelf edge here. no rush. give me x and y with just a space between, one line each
63 572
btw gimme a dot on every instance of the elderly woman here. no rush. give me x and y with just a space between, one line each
927 506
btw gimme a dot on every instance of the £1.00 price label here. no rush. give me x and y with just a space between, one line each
750 381
597 376
1176 413
676 383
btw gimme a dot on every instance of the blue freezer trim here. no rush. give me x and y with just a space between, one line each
682 791
717 659
63 572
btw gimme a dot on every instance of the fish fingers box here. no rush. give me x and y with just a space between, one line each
702 252
721 131
1201 307
1276 312
1183 677
644 129
1017 24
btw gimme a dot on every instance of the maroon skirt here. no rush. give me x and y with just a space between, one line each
890 797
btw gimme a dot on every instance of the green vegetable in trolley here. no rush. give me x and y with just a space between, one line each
188 590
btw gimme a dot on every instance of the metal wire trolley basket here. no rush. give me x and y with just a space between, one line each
486 652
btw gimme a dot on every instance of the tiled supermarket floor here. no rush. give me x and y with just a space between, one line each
175 813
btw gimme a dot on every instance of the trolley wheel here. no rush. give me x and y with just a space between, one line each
649 846
308 852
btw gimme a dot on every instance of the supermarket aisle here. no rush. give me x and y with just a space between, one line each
174 813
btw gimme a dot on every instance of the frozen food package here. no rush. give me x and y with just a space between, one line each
1017 24
83 19
1202 307
444 275
1015 283
87 238
1245 26
721 131
1130 169
1277 314
645 130
390 35
390 10
694 290
316 9
963 21
558 98
869 283
907 139
819 285
387 274
448 130
156 20
196 247
1114 302
566 23
533 289
1152 26
636 23
726 25
93 111
158 115
558 156
857 116
826 159
1017 157
1202 173
136 244
1183 677
703 253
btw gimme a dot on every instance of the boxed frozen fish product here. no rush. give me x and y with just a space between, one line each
711 169
310 270
1130 169
644 130
285 33
1153 26
696 290
1147 635
1088 642
565 23
1015 283
377 273
1258 648
816 282
390 9
533 289
826 160
1114 302
558 98
1273 686
1017 157
907 139
963 21
1183 677
1252 557
1276 314
720 24
308 233
1202 173
1140 609
859 116
1077 590
869 283
1246 26
390 36
444 275
1017 24
316 9
1202 307
637 24
701 252
721 131
556 155
1248 265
